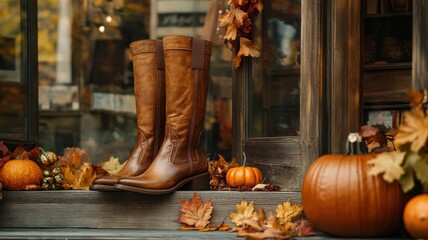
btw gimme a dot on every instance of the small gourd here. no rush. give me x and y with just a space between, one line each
47 158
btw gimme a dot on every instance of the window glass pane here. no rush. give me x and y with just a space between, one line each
274 94
86 85
13 87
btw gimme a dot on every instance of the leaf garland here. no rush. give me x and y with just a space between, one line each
239 24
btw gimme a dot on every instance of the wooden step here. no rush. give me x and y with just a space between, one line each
120 210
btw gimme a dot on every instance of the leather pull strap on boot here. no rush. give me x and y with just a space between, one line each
149 87
181 160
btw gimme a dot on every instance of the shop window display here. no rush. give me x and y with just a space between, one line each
86 85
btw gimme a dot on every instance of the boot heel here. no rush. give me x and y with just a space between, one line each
199 182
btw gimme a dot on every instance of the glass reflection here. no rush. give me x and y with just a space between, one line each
274 97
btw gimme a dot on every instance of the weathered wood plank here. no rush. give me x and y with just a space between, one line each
386 86
90 209
420 46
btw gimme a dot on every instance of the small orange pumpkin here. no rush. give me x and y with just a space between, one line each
416 216
243 176
17 174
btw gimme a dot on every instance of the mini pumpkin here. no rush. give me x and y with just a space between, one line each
341 199
47 158
243 176
416 216
17 174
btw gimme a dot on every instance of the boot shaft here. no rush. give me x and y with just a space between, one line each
149 88
187 64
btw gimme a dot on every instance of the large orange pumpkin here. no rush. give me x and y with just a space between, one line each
17 174
243 176
416 216
341 199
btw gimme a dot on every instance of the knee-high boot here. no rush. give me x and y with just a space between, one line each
181 160
149 87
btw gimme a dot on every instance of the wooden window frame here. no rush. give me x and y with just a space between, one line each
330 99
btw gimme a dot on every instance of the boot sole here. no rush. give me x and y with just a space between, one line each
103 188
197 182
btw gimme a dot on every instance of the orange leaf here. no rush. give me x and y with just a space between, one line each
236 60
84 176
195 212
416 97
248 48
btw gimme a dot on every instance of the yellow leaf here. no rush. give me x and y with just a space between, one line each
112 166
287 212
231 33
195 212
248 48
388 163
243 211
414 130
225 19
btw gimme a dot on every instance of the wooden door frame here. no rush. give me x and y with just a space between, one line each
331 75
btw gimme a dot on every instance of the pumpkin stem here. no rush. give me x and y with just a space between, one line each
245 159
355 145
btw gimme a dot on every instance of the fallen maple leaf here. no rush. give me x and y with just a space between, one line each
413 130
287 212
243 212
195 213
112 165
76 168
222 227
388 163
303 228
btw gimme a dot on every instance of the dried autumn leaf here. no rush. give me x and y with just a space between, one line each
112 165
413 130
195 212
3 149
303 228
388 163
231 33
84 176
243 211
225 19
287 212
373 136
19 153
416 97
222 227
238 17
238 3
266 233
248 48
236 61
77 170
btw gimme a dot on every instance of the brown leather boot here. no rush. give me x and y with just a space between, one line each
149 87
181 160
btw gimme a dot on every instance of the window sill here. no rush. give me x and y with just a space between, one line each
109 210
